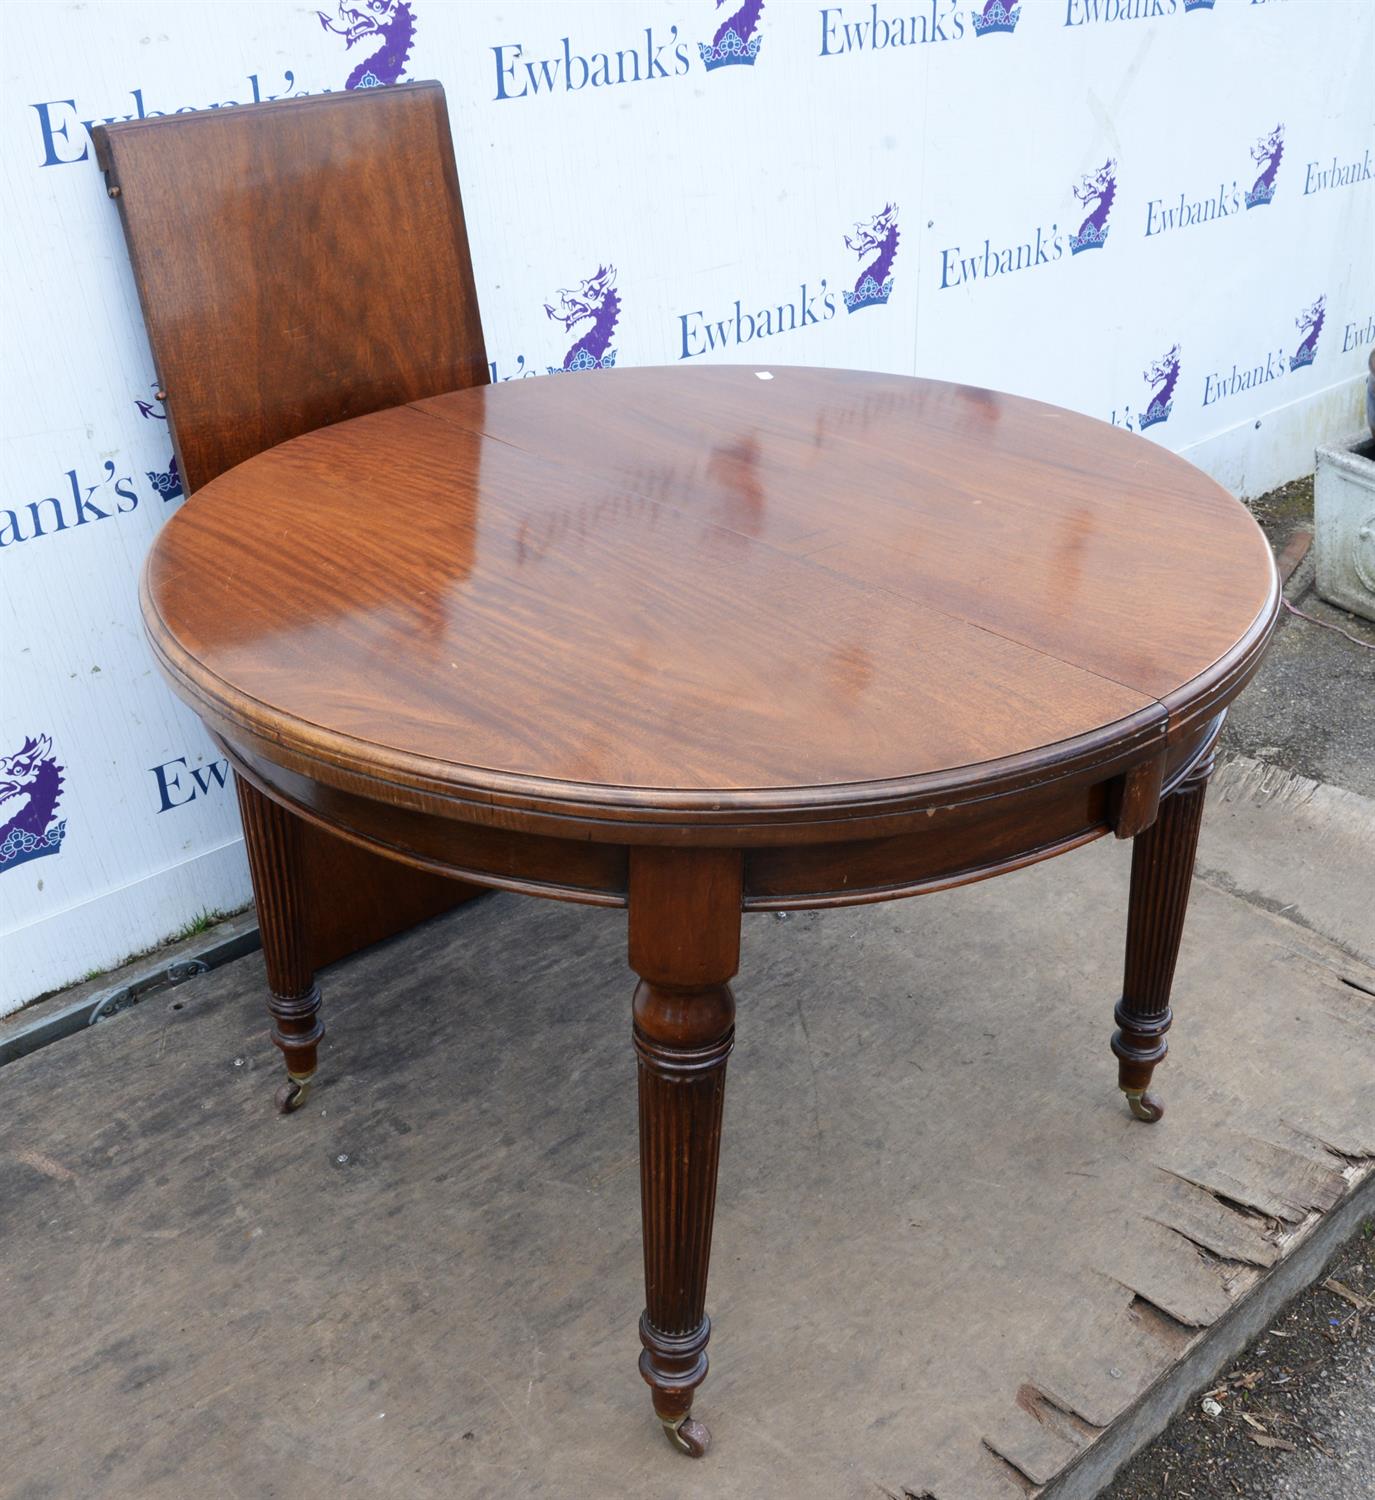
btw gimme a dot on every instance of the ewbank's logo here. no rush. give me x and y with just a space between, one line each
1111 12
594 302
570 71
878 238
996 16
1268 151
813 302
390 24
736 42
30 786
1318 178
1098 188
1162 377
1095 190
1309 322
1222 385
167 482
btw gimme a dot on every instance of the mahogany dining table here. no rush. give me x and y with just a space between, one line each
701 642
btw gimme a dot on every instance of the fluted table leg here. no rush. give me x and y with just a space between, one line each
1162 869
685 946
273 837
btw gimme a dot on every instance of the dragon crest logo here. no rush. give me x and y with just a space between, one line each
389 23
996 16
1309 322
30 786
1162 377
168 481
1099 189
736 43
1268 151
879 238
597 303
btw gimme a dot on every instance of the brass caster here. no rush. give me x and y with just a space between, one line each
1144 1106
687 1435
292 1095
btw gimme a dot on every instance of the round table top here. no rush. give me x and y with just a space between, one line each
708 589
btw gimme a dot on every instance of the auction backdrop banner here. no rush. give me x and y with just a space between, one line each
1158 212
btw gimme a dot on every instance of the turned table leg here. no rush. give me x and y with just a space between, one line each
685 946
273 837
1162 869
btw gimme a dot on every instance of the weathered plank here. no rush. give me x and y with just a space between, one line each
928 1206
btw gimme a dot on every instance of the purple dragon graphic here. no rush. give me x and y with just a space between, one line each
997 15
735 42
1310 321
30 785
1269 149
390 20
597 299
1098 188
167 482
1163 376
875 282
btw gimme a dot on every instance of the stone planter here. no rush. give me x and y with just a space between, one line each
1344 525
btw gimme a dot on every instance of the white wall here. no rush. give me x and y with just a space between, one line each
722 198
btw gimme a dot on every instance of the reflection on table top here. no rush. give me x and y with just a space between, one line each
705 579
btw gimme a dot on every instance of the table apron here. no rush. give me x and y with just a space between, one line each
943 847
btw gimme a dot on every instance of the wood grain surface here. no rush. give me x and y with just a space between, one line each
702 590
299 263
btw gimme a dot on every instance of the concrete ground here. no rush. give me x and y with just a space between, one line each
1310 1384
1311 709
946 1263
946 1260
